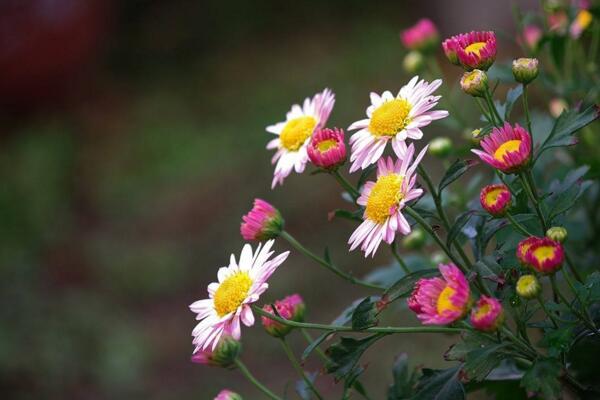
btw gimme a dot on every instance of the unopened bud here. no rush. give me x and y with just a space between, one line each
557 233
474 83
528 287
525 70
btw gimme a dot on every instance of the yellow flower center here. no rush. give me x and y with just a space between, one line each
384 195
231 293
583 19
526 283
482 311
296 131
326 145
507 147
474 48
491 197
444 302
544 253
390 118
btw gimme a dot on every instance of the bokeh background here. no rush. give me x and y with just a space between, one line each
132 141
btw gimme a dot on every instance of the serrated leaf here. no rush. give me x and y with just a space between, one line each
479 353
564 195
365 314
455 171
542 378
557 341
440 385
404 379
458 225
404 286
345 355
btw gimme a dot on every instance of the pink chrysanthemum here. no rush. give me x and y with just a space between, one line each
545 256
240 284
294 133
263 222
441 300
473 50
531 36
226 394
290 308
394 119
384 200
421 36
523 248
327 148
580 24
507 149
487 315
495 199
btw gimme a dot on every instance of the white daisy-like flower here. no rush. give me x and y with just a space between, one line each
240 284
384 200
295 132
396 119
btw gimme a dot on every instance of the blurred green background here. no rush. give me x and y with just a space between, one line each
132 142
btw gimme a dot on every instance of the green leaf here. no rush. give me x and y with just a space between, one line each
564 195
345 214
302 387
404 286
511 97
557 341
345 354
387 275
441 384
566 125
365 314
542 378
557 49
404 379
365 175
480 354
455 171
459 223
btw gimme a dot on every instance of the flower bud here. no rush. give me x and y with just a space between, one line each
327 149
557 233
291 308
414 240
226 394
474 83
440 147
495 199
545 256
557 106
487 315
528 287
523 248
263 222
413 62
224 355
422 36
525 70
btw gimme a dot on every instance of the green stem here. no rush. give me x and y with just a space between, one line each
590 325
526 108
593 51
244 370
309 339
398 258
298 367
548 313
492 107
343 328
345 184
524 346
501 177
291 240
572 267
531 191
484 111
517 225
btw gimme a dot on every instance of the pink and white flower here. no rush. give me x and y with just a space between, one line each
473 50
291 308
441 300
495 199
506 148
263 222
384 200
422 36
294 133
394 118
239 285
227 394
327 148
487 315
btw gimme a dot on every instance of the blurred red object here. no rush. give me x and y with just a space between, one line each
44 47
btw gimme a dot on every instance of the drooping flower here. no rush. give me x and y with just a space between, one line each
506 148
495 199
557 233
545 256
290 308
226 394
525 70
239 285
532 35
422 36
394 119
224 355
580 24
327 149
473 50
528 287
263 222
441 300
294 134
523 248
487 315
384 200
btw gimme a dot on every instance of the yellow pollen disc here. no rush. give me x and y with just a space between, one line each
583 19
296 131
444 303
507 147
482 311
231 293
544 253
474 48
491 197
390 118
326 145
384 195
525 283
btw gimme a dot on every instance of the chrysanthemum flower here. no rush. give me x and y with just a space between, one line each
240 284
394 119
532 35
473 50
294 134
545 256
507 149
226 394
523 248
224 355
263 222
422 36
528 286
580 24
441 300
327 149
290 308
487 315
495 199
384 200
